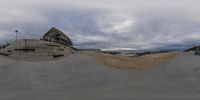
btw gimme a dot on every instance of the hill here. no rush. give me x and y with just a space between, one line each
193 48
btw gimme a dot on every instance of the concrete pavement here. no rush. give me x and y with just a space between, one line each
80 77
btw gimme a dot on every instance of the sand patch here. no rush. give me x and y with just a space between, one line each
135 63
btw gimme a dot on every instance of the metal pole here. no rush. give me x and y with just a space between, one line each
16 31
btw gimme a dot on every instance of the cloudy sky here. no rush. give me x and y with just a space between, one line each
137 24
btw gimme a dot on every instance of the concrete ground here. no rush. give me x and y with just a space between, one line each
79 77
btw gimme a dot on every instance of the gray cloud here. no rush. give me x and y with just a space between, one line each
103 24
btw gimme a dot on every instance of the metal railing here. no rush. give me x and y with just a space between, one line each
28 36
19 36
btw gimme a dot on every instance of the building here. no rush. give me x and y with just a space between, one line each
57 36
52 45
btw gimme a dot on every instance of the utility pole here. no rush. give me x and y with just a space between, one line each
16 31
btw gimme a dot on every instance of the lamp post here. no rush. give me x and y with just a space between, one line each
16 31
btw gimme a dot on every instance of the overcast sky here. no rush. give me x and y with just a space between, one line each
137 24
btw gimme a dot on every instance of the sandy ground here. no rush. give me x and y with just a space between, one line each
80 77
144 62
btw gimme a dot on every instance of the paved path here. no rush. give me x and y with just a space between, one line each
79 77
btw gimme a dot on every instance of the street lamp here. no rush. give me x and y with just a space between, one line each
16 31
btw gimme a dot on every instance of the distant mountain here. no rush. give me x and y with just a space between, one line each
118 49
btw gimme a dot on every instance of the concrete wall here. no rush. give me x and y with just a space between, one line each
33 47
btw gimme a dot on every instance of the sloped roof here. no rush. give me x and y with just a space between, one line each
53 29
57 31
